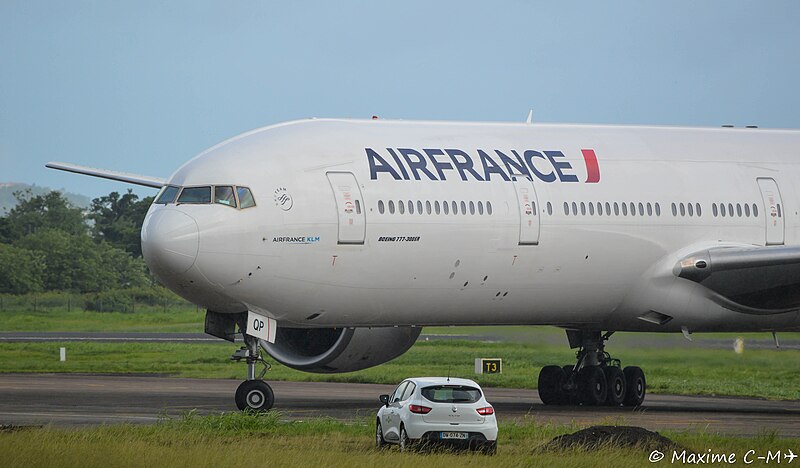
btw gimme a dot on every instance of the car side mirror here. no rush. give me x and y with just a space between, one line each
384 399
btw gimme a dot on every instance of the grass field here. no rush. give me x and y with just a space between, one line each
672 364
761 373
235 439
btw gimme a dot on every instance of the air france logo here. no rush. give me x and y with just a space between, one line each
482 166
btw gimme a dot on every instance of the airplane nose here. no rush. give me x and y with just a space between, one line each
170 242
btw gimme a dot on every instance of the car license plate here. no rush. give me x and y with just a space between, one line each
453 435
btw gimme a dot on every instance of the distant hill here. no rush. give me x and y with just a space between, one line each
7 200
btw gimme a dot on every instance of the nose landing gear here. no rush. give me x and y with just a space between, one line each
253 394
595 379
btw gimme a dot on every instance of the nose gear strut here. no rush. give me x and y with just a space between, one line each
254 394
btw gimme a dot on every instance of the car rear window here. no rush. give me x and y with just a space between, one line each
451 394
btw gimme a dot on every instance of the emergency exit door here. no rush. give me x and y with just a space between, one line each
349 207
528 211
773 210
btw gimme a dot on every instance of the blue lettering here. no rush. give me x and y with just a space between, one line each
440 166
465 166
559 165
489 167
420 165
399 164
378 164
529 155
515 168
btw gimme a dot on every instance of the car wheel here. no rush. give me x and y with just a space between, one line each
405 442
380 442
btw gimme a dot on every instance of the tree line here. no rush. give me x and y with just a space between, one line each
48 244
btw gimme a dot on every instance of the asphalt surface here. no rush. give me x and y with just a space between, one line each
79 399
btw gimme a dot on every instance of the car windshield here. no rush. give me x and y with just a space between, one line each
451 394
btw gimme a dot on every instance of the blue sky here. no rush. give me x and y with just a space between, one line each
143 86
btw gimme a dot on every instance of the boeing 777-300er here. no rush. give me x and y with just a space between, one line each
329 243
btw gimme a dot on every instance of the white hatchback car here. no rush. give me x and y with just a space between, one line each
437 410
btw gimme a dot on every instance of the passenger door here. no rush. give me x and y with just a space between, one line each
528 208
349 207
773 210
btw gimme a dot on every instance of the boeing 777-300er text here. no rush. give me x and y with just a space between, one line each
329 243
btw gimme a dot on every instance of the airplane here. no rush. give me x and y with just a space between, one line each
330 243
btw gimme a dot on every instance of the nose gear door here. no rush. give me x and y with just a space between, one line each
349 207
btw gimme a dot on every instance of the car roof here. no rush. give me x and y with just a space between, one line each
426 381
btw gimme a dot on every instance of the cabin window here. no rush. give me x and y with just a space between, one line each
714 210
463 207
697 209
633 209
624 209
455 208
755 210
649 209
480 207
566 208
410 207
195 195
381 207
690 208
419 207
437 207
599 209
730 209
591 208
391 207
246 199
428 206
739 210
658 209
446 208
747 210
489 208
401 207
583 208
722 210
616 209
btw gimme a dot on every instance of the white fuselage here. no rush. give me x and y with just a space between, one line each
328 245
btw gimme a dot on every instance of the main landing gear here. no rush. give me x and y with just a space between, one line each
253 394
595 379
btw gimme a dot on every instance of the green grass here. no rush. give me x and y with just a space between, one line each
183 318
235 439
691 370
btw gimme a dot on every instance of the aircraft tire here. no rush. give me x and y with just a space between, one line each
254 395
636 386
551 381
615 381
592 386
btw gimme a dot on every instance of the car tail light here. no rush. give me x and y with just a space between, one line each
419 409
485 411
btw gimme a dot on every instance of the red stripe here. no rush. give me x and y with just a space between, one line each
592 169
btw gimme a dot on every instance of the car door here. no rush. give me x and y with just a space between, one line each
391 419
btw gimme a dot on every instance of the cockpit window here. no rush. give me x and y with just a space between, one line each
245 197
223 194
195 195
168 195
